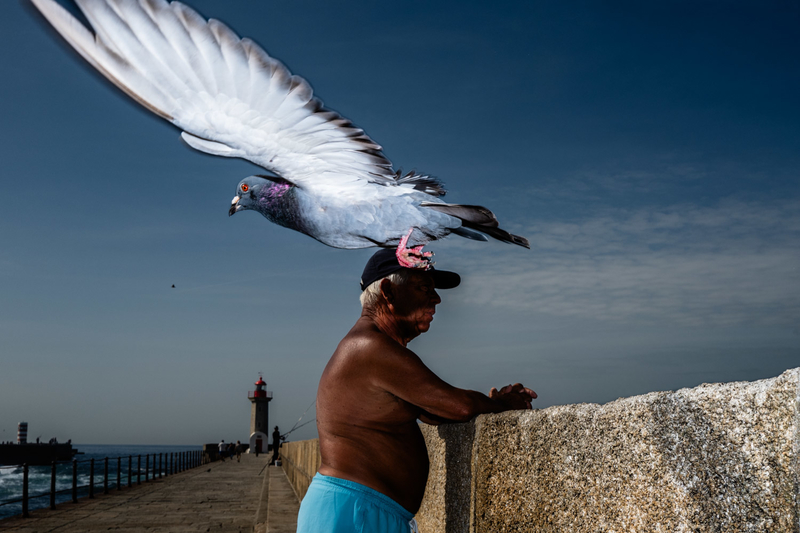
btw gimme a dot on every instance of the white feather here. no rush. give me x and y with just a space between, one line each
227 94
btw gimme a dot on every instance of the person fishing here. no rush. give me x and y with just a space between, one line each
276 444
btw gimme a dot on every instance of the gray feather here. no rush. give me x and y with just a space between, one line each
469 234
420 182
478 218
475 214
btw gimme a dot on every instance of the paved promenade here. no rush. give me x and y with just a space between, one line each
222 497
282 505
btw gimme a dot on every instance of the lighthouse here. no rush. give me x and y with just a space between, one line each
259 416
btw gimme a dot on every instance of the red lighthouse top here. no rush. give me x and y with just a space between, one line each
260 391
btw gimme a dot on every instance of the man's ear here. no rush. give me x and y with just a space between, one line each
387 290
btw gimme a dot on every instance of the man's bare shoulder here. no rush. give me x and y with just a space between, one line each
366 340
359 369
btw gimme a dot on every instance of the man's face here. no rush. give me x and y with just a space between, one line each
415 304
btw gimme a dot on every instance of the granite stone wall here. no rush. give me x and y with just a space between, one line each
715 458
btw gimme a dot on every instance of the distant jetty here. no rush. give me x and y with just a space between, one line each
34 453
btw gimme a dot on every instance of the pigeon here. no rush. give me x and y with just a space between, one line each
325 177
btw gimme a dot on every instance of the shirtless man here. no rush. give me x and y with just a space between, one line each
372 392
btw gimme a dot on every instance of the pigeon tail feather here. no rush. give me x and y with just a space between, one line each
469 234
478 218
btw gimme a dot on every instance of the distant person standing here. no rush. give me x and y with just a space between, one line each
276 444
222 447
238 451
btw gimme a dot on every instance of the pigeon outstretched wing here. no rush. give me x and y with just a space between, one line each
227 94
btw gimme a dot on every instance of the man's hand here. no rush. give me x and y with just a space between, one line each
513 396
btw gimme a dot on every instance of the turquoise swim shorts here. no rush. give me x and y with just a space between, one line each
334 505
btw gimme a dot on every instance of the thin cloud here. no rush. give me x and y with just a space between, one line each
734 263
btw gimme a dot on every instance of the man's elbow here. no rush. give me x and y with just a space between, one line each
470 407
464 406
464 413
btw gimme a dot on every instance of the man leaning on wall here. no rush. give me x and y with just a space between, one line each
371 395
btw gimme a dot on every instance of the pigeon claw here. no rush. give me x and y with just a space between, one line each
413 257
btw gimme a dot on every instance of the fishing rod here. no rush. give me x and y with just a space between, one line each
299 419
298 427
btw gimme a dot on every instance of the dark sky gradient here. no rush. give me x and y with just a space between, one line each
649 150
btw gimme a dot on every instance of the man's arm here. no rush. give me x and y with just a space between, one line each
434 420
510 394
402 373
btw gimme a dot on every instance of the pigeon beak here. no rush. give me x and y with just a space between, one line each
234 206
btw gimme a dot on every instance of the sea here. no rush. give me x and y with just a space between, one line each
39 476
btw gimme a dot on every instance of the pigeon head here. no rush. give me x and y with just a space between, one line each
259 193
271 196
248 193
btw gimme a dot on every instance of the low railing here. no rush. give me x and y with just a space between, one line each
156 466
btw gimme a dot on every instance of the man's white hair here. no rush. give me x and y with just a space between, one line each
369 296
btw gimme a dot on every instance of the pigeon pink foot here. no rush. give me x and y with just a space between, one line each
412 257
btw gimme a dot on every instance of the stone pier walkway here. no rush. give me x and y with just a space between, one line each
221 497
282 505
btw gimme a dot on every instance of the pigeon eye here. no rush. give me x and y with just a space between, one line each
245 188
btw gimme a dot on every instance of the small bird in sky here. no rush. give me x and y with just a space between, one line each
327 179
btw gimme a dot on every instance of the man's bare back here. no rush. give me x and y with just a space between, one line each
374 390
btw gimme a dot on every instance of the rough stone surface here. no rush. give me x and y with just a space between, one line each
720 457
448 495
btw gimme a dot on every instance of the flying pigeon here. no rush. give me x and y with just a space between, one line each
328 179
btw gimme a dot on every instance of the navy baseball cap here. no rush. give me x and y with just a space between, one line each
384 262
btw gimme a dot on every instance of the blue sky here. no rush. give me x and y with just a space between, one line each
649 151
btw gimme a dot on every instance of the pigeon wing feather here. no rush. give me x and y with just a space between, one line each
227 94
